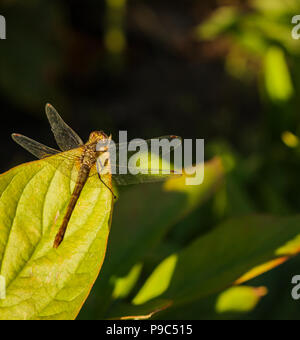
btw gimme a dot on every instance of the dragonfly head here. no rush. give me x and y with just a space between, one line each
97 136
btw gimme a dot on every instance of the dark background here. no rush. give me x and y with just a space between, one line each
161 81
142 66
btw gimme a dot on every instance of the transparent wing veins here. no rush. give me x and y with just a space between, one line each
37 149
65 137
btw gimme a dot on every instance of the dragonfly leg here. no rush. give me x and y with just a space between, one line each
99 171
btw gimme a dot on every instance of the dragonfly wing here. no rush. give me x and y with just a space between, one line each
65 137
67 163
37 149
129 179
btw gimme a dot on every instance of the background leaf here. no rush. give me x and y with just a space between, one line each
238 250
239 299
143 217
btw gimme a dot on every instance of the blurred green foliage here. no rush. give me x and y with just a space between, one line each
226 72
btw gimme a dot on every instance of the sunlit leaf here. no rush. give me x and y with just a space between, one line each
276 7
221 21
158 282
289 139
124 285
239 299
278 83
42 282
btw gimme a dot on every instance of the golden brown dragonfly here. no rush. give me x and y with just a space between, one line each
86 159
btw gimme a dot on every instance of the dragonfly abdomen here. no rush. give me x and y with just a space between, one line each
81 181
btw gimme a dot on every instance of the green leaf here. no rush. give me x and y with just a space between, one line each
126 311
124 285
222 20
276 8
278 84
237 251
231 304
158 282
239 299
42 282
236 248
143 216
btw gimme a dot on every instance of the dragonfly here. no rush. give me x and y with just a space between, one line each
86 159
